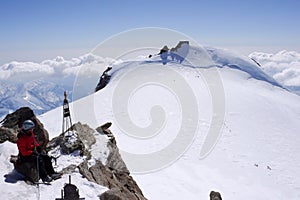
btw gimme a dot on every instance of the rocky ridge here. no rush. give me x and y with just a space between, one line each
112 174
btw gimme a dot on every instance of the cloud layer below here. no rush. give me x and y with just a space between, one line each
283 66
59 67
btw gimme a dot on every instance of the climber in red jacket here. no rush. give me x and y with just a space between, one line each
30 151
27 143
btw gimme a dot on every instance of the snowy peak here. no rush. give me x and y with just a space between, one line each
257 149
40 95
251 154
207 57
41 85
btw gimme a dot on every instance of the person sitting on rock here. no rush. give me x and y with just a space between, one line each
30 151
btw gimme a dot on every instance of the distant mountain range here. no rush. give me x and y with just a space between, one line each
41 85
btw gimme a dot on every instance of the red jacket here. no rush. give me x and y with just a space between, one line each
26 143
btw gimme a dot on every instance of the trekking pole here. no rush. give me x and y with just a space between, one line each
38 176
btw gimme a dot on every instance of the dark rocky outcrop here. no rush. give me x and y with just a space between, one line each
114 160
112 194
215 195
114 174
27 169
104 79
8 134
13 122
9 131
83 139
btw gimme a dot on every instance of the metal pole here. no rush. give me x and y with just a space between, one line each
38 175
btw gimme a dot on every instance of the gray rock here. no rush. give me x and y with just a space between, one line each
13 122
215 195
29 170
85 172
69 170
68 147
123 183
85 134
114 160
8 134
113 194
114 174
82 141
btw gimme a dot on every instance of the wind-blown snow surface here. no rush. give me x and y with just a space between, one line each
283 66
256 156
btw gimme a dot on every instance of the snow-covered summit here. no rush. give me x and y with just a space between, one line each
255 155
18 79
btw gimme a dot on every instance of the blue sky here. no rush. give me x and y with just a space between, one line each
33 30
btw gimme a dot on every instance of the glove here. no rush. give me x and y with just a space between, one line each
39 149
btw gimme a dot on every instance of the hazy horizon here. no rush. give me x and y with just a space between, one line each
34 30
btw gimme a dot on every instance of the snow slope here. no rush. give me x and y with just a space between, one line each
261 128
255 157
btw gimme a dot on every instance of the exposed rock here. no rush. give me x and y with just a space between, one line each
9 130
82 140
104 130
69 170
13 122
215 195
15 119
69 146
102 175
116 181
85 172
8 134
114 159
113 175
105 126
113 194
85 134
104 79
29 170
